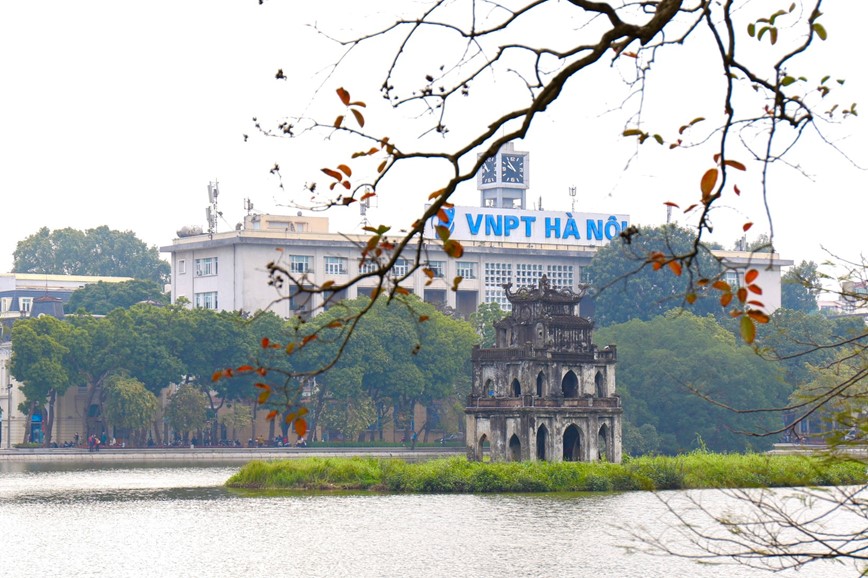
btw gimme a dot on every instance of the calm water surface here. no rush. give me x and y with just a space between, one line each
141 520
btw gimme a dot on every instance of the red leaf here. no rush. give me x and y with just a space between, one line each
742 294
758 316
333 174
346 170
676 267
217 375
722 286
671 204
755 289
244 368
271 415
344 96
736 189
423 318
725 299
747 227
265 342
751 276
300 427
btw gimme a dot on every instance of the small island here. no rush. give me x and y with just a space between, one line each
697 470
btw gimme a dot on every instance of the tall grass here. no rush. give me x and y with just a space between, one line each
457 475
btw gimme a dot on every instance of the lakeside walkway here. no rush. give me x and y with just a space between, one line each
232 455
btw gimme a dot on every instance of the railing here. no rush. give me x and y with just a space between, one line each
475 401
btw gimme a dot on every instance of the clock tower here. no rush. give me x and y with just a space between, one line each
504 179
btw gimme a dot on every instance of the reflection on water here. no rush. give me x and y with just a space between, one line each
134 520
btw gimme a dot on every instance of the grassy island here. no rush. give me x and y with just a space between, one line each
457 475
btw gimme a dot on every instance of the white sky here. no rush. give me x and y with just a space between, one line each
120 113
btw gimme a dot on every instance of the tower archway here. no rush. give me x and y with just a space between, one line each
542 435
540 383
514 449
600 385
570 385
516 388
572 444
603 443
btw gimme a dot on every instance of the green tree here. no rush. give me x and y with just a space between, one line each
238 416
101 298
100 252
800 287
41 348
129 405
669 365
187 411
483 320
626 286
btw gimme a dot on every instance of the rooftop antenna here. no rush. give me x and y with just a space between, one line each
211 212
572 191
248 205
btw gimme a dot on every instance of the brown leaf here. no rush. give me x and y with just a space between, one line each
346 170
333 174
271 415
742 294
758 316
359 118
725 299
344 96
676 267
735 164
706 185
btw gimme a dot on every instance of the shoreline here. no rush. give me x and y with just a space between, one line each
234 455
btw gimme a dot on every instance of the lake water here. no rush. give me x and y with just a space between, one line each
141 520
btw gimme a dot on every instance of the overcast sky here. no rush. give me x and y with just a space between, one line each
120 113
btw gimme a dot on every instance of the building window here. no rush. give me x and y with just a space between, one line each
732 277
206 267
5 304
560 276
465 269
402 266
438 268
497 275
206 300
24 304
368 267
528 274
300 264
182 266
336 265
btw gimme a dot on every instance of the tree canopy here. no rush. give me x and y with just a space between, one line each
101 298
98 252
626 286
669 365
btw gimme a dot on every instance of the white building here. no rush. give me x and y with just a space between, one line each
503 243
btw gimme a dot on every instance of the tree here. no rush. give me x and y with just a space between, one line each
40 360
186 411
483 320
626 286
129 405
667 368
101 298
100 252
800 287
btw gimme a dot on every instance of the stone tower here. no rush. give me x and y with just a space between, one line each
544 391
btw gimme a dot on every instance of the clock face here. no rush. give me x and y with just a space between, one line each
487 171
512 169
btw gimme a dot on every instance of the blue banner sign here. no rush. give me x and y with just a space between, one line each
518 226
